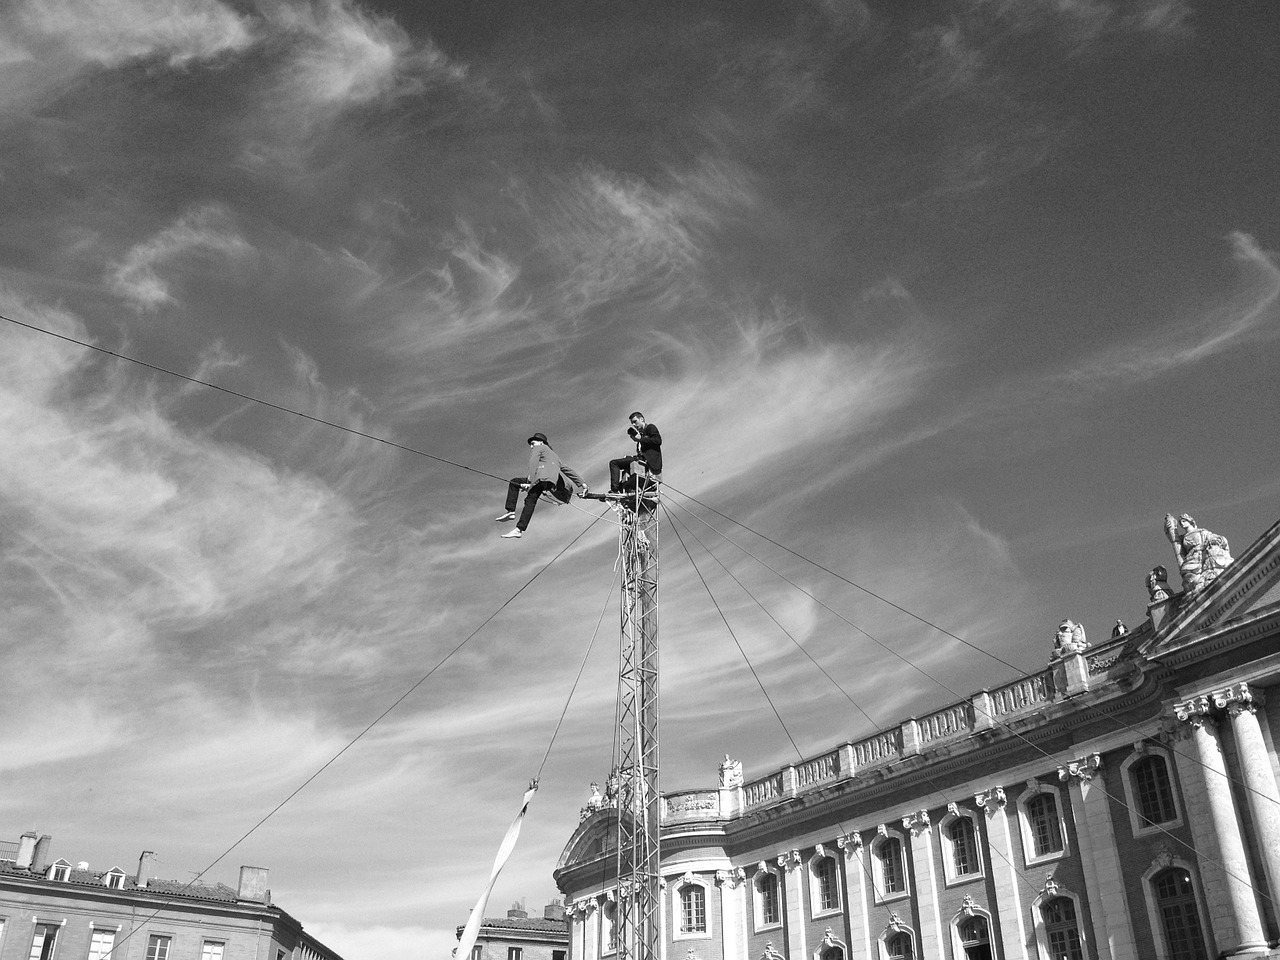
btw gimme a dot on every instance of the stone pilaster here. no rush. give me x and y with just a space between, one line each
1013 929
926 877
733 910
1241 705
1096 837
1233 912
793 876
855 890
586 924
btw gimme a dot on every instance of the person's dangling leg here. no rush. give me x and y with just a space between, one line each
513 494
530 503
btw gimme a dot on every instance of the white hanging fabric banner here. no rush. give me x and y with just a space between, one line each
468 939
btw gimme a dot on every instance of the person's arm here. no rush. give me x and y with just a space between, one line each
572 474
652 437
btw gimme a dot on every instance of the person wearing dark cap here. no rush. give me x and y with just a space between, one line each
648 451
547 474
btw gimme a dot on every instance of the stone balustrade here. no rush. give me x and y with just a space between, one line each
984 711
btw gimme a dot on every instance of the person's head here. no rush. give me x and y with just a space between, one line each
539 438
637 420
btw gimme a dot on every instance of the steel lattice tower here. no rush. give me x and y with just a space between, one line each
639 801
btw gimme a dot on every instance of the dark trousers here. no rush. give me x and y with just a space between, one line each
530 499
618 467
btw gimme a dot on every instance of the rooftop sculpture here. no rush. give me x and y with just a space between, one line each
1202 555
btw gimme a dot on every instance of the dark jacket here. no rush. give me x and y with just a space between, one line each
648 445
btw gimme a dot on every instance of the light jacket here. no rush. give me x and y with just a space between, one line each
545 464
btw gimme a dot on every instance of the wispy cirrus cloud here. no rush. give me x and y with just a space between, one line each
108 33
1077 24
204 233
1251 314
613 236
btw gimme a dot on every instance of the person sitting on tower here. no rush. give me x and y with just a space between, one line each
547 474
648 451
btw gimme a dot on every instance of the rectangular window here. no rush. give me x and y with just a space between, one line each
964 846
693 909
515 953
158 947
43 941
769 899
1046 832
101 943
559 955
890 852
828 897
212 950
1155 792
279 955
477 952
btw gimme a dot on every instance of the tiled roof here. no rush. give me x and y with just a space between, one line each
525 923
165 888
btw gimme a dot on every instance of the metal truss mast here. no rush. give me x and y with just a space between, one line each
639 801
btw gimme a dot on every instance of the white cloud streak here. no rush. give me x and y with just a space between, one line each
111 32
202 233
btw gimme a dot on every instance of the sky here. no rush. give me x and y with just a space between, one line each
956 300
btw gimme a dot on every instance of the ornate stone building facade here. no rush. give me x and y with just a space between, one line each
1120 804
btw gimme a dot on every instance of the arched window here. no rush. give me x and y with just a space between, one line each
975 938
964 846
831 953
768 907
1153 790
1061 929
890 869
898 947
826 884
693 909
1044 825
1179 915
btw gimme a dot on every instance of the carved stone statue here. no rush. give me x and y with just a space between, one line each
1158 584
1202 555
1119 630
1069 640
730 772
594 802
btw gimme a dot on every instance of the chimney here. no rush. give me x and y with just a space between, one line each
517 911
146 866
40 860
253 885
553 910
26 849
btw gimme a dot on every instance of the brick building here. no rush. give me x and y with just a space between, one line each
56 910
518 936
1120 804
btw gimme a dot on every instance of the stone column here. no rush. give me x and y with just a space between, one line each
1241 705
1108 902
1233 911
793 877
855 892
926 877
1004 876
733 907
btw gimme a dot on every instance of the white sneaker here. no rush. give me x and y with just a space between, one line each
512 534
509 515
